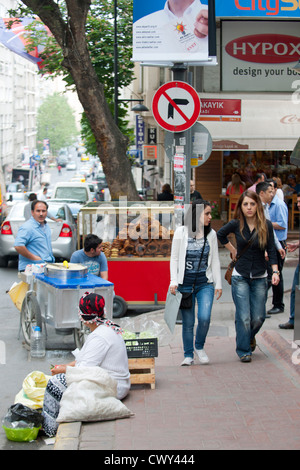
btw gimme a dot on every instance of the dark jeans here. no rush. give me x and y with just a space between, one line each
293 295
278 291
249 297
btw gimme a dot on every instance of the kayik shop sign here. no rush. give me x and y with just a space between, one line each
259 56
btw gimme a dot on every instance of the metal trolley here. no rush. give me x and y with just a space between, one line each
53 299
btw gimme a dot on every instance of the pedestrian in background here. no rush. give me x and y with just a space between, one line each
278 211
194 195
195 268
166 194
259 178
249 282
236 186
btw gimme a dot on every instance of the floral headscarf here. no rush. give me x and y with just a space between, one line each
92 310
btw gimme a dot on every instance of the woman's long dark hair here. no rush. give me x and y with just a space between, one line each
261 224
192 217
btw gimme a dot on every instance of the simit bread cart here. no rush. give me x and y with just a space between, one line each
137 238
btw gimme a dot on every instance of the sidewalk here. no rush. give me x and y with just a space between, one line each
223 405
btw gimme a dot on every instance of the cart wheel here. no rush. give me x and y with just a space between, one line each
30 315
119 307
80 335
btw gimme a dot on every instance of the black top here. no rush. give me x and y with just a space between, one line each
165 196
253 260
195 195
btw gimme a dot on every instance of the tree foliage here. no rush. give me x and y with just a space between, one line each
100 38
56 122
69 23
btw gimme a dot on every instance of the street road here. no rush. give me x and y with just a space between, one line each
17 363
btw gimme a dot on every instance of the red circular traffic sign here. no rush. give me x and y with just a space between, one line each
176 106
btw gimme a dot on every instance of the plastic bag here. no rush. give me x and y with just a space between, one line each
17 293
33 390
145 328
22 416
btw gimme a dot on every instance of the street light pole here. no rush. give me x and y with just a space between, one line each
116 84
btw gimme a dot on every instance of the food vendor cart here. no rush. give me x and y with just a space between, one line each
53 299
137 238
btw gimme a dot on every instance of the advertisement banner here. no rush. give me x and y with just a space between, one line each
259 56
258 8
168 31
15 36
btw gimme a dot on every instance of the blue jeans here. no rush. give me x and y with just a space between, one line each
204 294
249 296
293 294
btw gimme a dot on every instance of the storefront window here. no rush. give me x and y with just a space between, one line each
248 164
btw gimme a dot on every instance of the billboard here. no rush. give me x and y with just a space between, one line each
269 9
259 55
174 31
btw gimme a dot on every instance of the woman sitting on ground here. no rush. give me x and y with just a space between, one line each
104 348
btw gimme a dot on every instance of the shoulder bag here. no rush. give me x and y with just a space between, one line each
231 265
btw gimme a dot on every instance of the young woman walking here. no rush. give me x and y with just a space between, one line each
249 282
195 268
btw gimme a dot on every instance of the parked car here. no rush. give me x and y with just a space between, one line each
73 205
14 198
63 234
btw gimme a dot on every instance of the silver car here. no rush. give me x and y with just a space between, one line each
63 234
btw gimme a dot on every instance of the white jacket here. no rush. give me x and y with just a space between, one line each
178 253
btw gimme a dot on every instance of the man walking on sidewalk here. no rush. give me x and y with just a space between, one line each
279 217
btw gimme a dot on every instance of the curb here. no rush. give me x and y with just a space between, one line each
286 354
67 437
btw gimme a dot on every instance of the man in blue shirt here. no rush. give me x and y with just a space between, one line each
33 240
279 217
92 256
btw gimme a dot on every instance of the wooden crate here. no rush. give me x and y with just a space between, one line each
142 371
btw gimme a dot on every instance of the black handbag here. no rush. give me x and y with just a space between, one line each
187 297
186 300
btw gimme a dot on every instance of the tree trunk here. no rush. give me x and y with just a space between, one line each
111 144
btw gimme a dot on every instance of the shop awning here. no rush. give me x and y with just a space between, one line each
265 125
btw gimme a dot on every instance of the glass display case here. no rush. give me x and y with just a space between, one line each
137 239
136 230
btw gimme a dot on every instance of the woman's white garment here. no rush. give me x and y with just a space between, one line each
106 349
178 253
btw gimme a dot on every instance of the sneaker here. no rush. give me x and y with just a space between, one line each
246 358
202 356
188 361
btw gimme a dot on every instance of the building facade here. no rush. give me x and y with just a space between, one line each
250 100
19 89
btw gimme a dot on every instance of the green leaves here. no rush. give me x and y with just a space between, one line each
56 122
